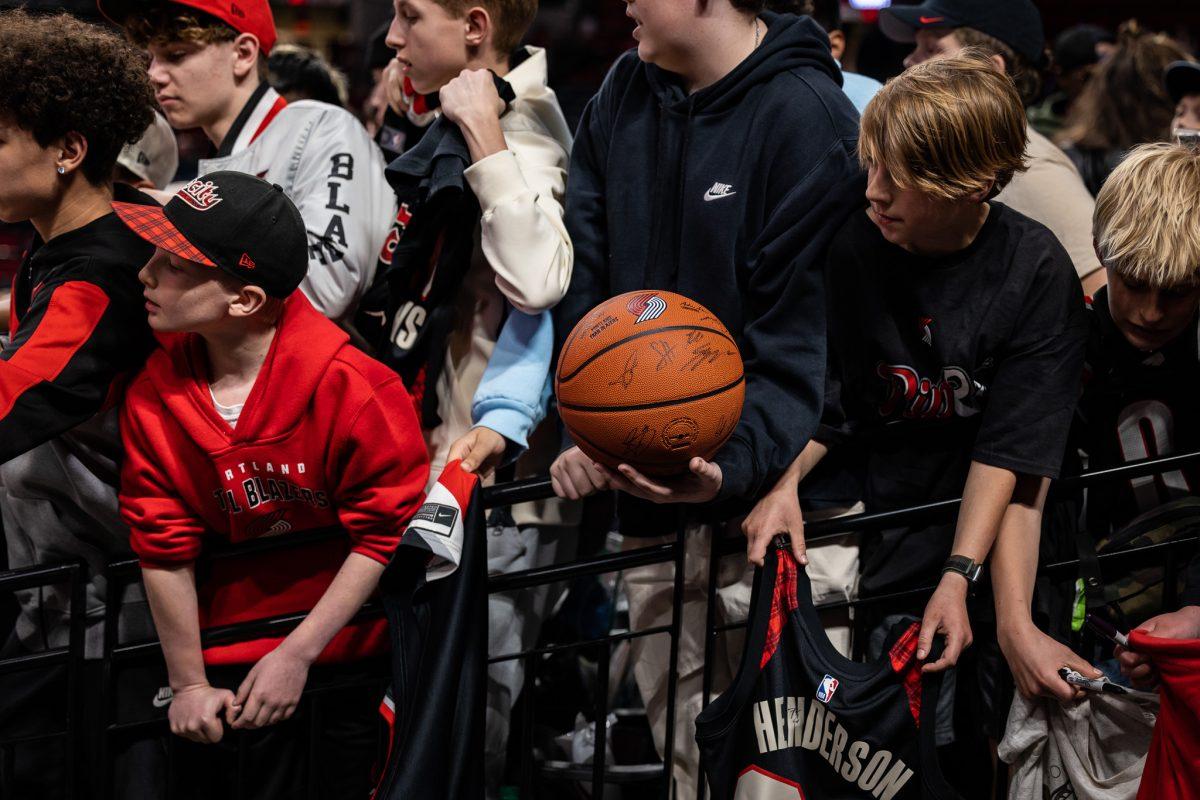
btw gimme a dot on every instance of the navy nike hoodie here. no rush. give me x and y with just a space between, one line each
728 196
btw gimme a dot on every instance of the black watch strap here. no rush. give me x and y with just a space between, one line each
964 566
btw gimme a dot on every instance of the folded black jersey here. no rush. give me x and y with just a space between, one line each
802 721
434 592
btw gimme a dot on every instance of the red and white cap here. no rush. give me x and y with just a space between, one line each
244 16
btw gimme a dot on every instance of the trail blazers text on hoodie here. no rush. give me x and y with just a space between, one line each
327 437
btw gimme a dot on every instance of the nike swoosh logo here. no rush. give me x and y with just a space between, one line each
163 697
709 196
931 20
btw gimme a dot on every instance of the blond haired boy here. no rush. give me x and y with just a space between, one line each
956 334
1143 373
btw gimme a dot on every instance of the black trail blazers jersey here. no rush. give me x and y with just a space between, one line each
435 595
802 722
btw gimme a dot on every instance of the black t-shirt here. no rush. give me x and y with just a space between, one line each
935 362
1136 405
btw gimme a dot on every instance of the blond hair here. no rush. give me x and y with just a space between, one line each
949 127
1147 219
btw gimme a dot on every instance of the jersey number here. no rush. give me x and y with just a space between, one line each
1146 429
409 320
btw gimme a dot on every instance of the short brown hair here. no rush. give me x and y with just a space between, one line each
1147 219
63 75
161 23
1025 75
510 19
948 127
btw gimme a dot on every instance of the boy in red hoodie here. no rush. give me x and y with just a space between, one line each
257 418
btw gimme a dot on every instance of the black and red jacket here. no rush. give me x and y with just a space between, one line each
78 325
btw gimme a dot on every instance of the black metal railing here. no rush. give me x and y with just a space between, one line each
78 739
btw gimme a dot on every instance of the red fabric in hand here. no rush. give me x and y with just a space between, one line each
1173 766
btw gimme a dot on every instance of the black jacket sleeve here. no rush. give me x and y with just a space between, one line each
783 343
60 365
585 215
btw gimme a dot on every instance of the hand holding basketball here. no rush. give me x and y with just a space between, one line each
574 475
650 379
699 485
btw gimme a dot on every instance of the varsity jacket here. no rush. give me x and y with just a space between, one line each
77 332
327 164
523 254
327 438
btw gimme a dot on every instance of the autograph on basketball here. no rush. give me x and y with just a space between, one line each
666 354
626 376
637 440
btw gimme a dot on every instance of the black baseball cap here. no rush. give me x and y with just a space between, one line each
1017 23
233 222
1182 78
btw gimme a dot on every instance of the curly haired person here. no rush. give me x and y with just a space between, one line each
72 96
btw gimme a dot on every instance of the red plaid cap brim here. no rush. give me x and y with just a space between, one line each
151 224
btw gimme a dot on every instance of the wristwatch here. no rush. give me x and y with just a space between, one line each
964 566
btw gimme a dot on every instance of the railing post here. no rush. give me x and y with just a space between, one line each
710 642
673 658
600 751
77 755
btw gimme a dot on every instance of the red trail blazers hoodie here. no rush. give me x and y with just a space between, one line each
327 437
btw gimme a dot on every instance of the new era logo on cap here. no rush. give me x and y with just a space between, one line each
246 261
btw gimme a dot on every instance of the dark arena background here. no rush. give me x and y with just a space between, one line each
571 655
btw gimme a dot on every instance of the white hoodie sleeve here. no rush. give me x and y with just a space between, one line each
520 192
347 208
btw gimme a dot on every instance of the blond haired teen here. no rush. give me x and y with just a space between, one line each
1143 372
956 334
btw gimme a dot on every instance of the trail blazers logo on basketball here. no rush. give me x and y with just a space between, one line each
646 307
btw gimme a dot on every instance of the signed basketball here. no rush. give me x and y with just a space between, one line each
650 379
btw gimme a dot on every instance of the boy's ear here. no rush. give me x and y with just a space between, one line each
248 300
837 44
983 194
479 26
72 149
245 56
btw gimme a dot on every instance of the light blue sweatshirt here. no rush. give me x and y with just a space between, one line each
515 391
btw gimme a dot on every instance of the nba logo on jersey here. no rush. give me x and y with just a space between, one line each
828 686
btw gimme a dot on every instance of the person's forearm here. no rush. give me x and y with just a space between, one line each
1015 556
172 596
799 469
985 499
484 137
351 587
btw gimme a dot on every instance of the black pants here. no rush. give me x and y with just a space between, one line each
335 739
334 742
